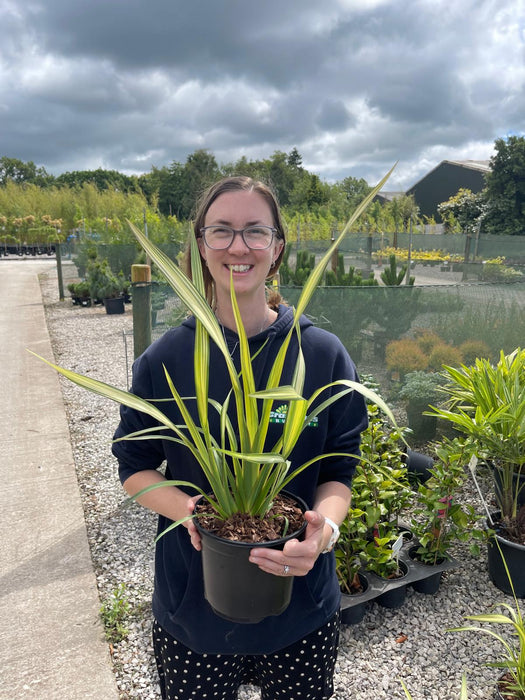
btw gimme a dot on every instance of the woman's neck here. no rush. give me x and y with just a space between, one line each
254 320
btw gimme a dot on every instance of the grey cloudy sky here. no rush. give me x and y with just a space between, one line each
354 85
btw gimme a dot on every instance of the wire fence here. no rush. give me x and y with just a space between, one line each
488 316
448 305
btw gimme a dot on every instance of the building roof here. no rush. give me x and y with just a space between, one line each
479 165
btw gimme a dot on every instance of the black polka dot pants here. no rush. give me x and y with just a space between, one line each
302 671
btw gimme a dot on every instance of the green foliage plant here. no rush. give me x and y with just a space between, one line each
113 612
512 684
103 283
304 264
79 290
340 278
496 271
380 492
486 402
438 519
391 277
243 476
421 387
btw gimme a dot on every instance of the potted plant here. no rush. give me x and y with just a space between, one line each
371 529
104 285
243 476
438 519
511 684
80 293
486 402
418 391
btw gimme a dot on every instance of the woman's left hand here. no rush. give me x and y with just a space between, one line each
297 557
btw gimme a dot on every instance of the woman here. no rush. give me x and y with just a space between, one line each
200 655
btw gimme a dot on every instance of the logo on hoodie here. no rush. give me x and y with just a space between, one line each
278 415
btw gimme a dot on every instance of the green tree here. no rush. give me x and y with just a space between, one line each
506 188
15 170
185 183
102 179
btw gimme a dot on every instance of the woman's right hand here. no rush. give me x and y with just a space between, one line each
190 525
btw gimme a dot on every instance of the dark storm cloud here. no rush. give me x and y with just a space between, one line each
353 85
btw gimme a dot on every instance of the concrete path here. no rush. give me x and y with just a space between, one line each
51 639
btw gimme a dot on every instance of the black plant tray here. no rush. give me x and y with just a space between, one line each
377 586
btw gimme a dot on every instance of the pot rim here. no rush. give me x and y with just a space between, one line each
270 543
508 543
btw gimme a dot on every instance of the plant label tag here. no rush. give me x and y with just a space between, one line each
396 547
473 463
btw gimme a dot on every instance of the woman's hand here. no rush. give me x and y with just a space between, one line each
296 558
190 525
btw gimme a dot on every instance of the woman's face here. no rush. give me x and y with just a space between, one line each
249 268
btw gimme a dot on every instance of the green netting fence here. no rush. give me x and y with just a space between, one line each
455 313
483 316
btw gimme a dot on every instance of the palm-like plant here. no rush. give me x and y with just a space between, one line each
487 403
512 684
244 477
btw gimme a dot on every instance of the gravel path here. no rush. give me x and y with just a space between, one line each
372 656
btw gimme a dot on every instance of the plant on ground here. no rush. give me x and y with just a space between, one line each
405 355
470 349
391 277
443 354
113 612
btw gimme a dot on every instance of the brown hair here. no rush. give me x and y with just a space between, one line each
239 183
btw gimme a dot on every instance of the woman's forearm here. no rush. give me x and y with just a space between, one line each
169 501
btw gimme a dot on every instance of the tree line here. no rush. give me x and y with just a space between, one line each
99 201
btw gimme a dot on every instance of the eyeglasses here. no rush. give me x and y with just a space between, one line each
255 237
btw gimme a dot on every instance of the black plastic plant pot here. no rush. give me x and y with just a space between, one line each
419 465
395 597
238 590
431 583
354 605
423 427
514 554
114 306
382 590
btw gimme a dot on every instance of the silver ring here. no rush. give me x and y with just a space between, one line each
286 569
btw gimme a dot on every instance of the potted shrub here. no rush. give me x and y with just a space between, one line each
80 293
486 402
418 391
106 286
438 519
380 492
244 478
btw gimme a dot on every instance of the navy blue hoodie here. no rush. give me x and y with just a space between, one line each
178 600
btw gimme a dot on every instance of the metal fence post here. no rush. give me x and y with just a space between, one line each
141 297
58 255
